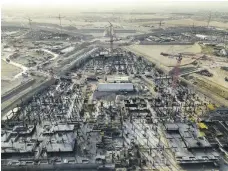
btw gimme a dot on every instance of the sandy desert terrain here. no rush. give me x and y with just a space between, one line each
8 70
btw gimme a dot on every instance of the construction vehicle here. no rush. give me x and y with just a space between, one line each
7 60
211 106
226 79
164 54
25 74
206 73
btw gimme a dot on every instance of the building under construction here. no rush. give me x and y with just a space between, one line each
106 108
114 116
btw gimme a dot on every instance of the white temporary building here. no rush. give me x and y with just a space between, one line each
117 79
115 87
201 36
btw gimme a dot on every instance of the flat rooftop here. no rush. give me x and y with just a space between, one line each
115 87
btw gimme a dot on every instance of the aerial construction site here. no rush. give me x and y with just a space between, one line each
114 91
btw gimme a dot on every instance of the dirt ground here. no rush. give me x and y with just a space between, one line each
189 22
214 66
153 52
8 70
7 73
31 55
218 77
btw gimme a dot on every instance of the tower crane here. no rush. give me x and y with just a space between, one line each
209 20
160 24
111 34
60 24
30 25
176 71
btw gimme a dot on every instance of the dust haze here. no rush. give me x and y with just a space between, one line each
115 6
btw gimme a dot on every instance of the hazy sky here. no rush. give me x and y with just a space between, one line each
118 5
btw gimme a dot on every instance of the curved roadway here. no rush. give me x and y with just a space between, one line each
24 68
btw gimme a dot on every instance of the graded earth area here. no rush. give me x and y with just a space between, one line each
153 53
8 70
